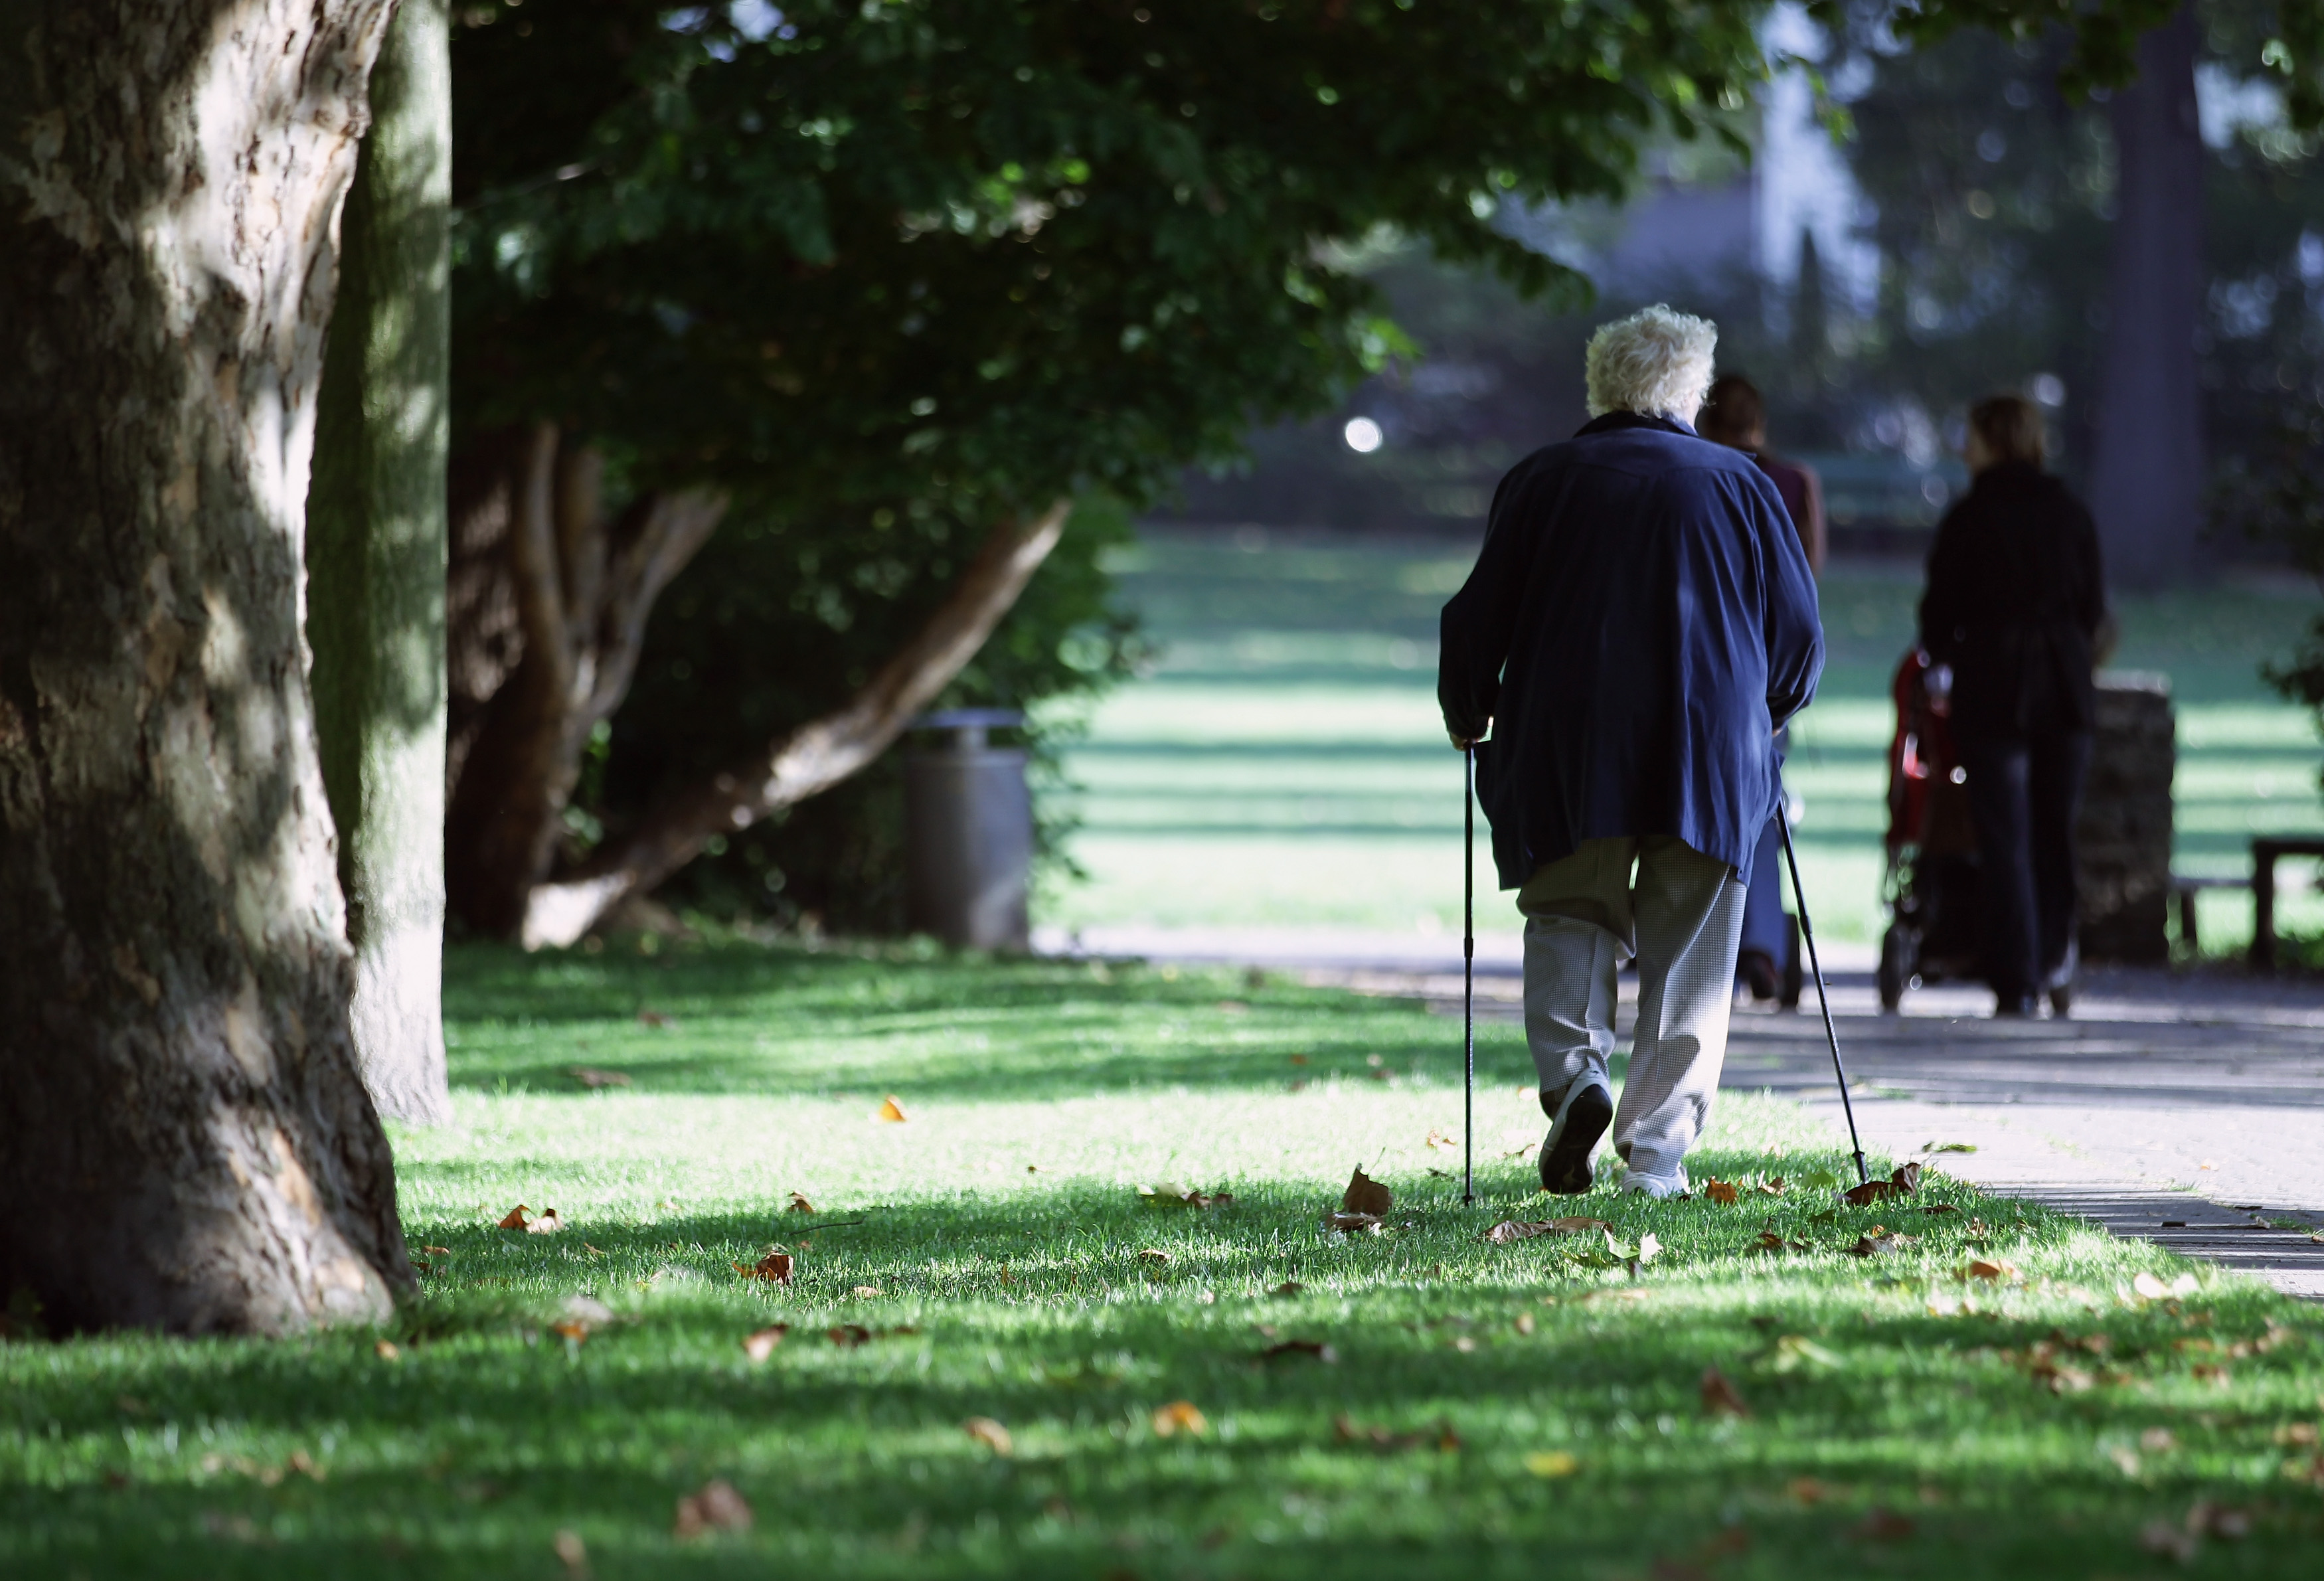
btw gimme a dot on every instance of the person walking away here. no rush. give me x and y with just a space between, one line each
2016 598
1639 620
1735 415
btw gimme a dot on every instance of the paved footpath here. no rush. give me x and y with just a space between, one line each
2185 1108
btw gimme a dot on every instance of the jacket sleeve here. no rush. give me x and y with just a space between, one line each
1480 620
1794 624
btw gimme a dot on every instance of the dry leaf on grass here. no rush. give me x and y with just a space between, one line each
1719 1397
1365 1194
760 1343
1180 1415
1294 1349
992 1435
1883 1525
848 1336
1353 1224
799 1204
385 1351
570 1551
516 1218
890 1112
1997 1268
716 1508
1879 1242
1808 1491
1437 1139
864 1292
654 1017
1349 1432
548 1224
580 1317
775 1265
1170 1191
1289 1286
1650 1247
1525 1324
1511 1230
1552 1463
1721 1192
1772 1186
1159 1259
592 1078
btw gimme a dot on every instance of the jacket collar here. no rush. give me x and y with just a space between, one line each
1631 420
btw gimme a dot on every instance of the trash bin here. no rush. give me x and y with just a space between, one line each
968 832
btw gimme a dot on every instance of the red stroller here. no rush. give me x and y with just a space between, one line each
1931 884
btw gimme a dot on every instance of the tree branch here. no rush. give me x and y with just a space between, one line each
812 758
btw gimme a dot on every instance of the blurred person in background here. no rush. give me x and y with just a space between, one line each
1641 619
1736 415
2015 600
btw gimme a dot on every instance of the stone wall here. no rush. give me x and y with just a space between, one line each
2124 832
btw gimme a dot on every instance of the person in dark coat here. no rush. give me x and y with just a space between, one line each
1641 619
2016 598
1736 415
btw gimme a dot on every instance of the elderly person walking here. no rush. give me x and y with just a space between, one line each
1640 621
2016 598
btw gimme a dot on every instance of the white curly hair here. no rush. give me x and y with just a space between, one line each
1656 362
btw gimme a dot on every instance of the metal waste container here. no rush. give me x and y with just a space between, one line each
968 832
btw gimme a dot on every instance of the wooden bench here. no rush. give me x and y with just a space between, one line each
2265 851
2184 890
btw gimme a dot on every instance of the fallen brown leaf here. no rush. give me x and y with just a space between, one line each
1292 1348
890 1110
1437 1139
848 1336
799 1204
438 1251
1289 1286
654 1017
1773 1187
517 1216
864 1292
1525 1324
1721 1192
385 1350
1883 1525
548 1224
775 1265
1366 1195
1509 1230
1177 1416
1719 1397
1997 1268
992 1435
1159 1259
760 1343
1808 1491
592 1078
1352 1223
571 1552
716 1508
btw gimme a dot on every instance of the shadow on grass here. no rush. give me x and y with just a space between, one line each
732 1018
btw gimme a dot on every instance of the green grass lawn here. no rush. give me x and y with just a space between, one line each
1486 1410
1285 764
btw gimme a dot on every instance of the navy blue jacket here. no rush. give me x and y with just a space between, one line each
1641 619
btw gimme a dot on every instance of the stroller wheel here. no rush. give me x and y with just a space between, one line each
1896 968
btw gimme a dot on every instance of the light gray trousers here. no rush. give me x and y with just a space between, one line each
1682 915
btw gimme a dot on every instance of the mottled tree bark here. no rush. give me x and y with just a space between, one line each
376 562
2146 485
184 1140
579 585
810 759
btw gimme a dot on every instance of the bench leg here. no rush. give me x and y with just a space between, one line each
2187 922
2263 944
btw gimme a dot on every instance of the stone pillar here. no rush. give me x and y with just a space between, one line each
2124 830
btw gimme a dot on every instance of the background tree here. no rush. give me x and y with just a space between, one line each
376 562
184 1140
890 283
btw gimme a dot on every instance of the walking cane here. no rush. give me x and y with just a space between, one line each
1469 972
1807 931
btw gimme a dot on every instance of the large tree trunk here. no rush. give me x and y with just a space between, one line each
810 759
184 1140
376 563
2147 476
558 593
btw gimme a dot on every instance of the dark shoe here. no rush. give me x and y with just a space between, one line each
1581 1121
1757 969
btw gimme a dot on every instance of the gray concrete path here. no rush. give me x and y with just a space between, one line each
2186 1108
